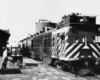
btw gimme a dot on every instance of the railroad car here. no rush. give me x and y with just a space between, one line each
73 44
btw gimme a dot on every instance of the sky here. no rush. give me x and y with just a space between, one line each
20 16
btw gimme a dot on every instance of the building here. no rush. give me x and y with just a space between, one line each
44 25
4 37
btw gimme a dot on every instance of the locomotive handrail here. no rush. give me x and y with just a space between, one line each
44 20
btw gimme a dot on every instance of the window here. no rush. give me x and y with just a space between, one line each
23 46
97 39
88 39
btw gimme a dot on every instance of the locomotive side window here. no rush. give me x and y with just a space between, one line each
97 39
23 45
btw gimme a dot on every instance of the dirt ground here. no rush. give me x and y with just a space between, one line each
34 70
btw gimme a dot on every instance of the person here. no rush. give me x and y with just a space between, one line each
4 62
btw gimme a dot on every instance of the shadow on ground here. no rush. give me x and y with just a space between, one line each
10 71
29 66
88 75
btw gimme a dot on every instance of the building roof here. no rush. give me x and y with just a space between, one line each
5 31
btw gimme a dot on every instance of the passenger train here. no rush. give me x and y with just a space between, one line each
73 44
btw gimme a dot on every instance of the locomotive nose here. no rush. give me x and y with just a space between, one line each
85 53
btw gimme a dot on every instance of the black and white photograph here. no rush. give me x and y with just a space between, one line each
49 40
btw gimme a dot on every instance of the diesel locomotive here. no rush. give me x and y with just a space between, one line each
73 44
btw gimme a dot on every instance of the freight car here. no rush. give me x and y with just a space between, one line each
73 44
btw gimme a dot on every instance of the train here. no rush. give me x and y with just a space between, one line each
73 44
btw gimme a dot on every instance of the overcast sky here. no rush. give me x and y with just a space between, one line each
20 16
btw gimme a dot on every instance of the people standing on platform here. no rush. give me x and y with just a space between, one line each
4 60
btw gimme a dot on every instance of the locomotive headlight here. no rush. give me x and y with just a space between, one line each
86 63
81 20
96 63
82 56
89 56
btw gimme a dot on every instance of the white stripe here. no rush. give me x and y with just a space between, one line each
59 46
83 40
76 41
85 47
59 42
54 47
56 42
94 41
74 50
95 55
52 50
76 55
95 49
55 38
54 53
98 38
70 47
62 48
66 38
98 46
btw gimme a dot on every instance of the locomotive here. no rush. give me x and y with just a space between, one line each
73 44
